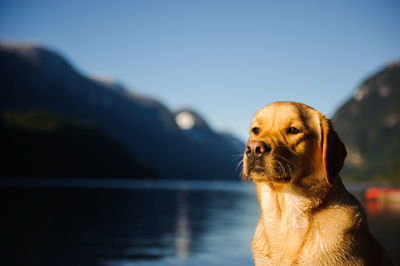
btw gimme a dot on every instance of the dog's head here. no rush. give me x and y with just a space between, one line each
289 142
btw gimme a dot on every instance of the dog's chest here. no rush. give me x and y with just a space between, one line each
286 222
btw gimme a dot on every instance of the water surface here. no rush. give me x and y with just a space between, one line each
103 222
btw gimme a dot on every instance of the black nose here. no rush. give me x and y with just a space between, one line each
256 149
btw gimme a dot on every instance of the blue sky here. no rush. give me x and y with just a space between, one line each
225 59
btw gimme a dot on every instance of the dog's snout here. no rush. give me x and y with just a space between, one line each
256 149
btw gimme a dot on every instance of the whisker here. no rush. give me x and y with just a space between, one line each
239 163
241 176
281 171
285 162
285 159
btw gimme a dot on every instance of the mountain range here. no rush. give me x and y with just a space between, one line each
369 125
113 131
39 144
34 77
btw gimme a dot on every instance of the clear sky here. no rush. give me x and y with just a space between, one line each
225 59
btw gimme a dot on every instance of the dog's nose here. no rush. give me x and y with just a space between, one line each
256 149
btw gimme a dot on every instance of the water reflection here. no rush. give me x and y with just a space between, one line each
381 207
193 224
182 234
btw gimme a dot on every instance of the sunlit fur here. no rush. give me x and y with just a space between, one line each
307 216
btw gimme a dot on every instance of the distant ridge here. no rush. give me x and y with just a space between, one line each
369 124
40 144
35 77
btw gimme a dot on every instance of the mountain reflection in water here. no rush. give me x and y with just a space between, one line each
122 223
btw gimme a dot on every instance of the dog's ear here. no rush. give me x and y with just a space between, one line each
333 150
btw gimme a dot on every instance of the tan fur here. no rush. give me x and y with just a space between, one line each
310 219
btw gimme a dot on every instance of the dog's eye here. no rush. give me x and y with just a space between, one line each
292 130
255 130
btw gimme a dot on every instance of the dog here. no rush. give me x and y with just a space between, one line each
293 155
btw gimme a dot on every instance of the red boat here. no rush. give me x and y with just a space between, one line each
381 193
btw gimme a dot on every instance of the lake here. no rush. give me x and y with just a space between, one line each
122 223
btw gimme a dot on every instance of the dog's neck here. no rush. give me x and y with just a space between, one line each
286 212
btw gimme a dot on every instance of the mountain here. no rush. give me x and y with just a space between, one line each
369 125
37 143
195 127
35 77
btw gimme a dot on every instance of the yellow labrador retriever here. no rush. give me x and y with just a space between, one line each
293 155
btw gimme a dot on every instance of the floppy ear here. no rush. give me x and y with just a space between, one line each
333 150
